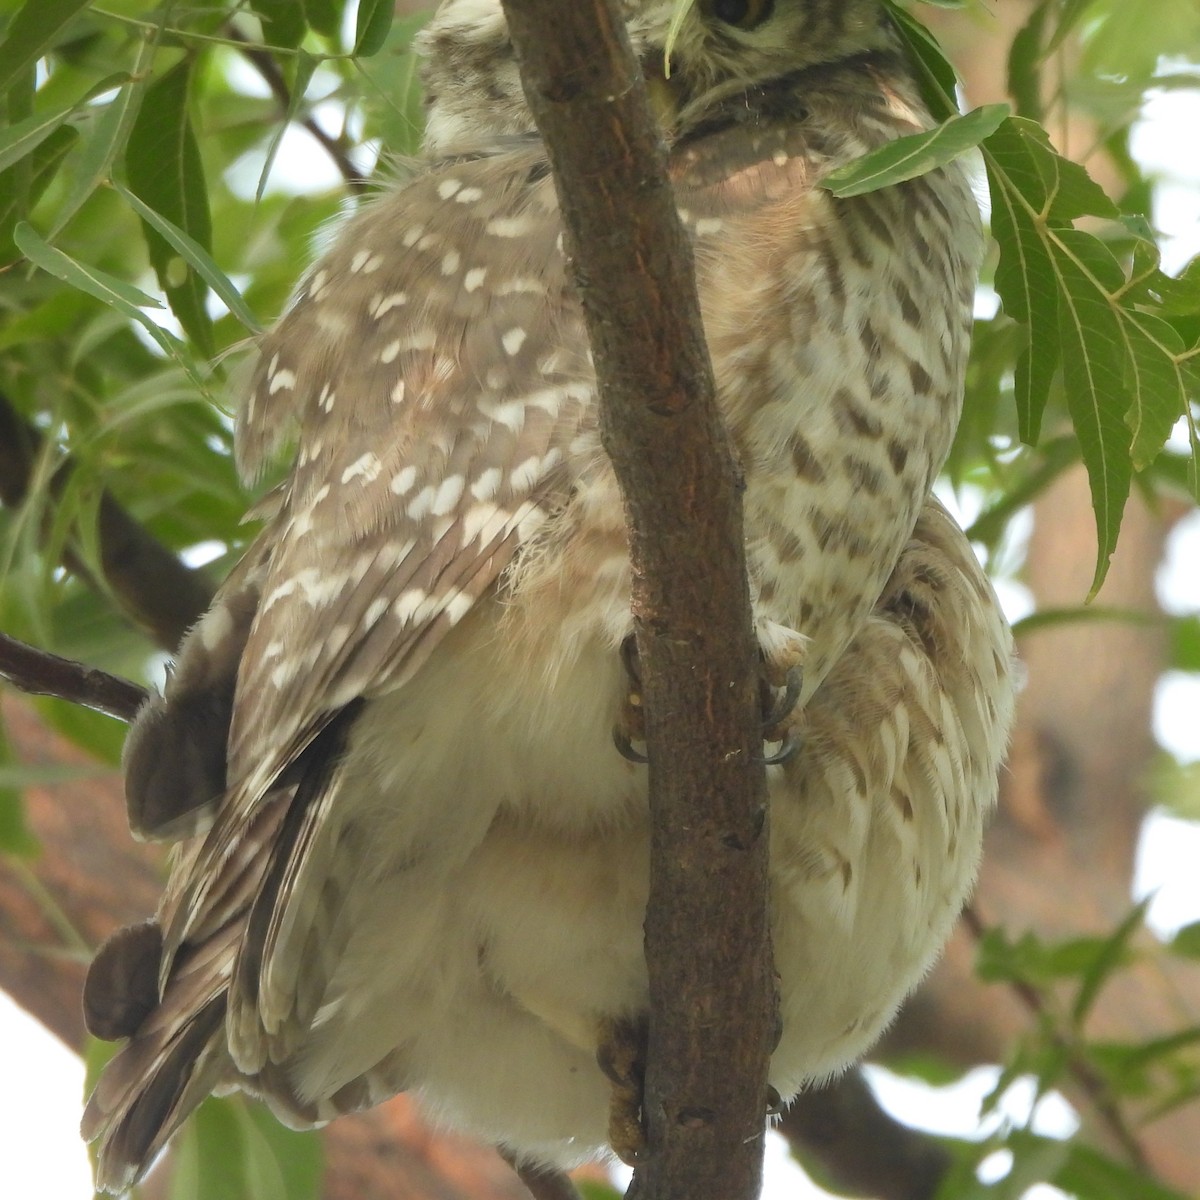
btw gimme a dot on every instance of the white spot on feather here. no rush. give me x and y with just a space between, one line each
509 227
419 505
488 484
215 627
367 466
448 494
509 413
403 480
456 605
384 304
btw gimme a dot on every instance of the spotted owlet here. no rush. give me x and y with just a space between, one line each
409 856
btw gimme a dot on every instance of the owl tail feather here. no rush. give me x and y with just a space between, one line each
174 1058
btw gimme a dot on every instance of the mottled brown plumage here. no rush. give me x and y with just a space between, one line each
416 861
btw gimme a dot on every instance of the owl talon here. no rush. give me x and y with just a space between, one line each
788 750
630 660
625 748
775 710
775 1103
631 725
621 1055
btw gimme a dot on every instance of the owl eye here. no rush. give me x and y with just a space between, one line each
744 14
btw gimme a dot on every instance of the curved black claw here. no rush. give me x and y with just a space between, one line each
782 708
775 1105
630 660
625 746
788 750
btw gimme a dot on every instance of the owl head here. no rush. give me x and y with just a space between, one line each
723 47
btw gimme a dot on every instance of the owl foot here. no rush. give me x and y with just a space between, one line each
778 704
779 689
621 1055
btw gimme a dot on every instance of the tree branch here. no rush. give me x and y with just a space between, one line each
268 68
712 1002
843 1135
40 673
152 586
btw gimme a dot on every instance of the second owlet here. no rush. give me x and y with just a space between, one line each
409 856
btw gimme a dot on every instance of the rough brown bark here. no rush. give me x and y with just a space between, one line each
712 1009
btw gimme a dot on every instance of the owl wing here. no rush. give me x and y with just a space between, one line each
423 361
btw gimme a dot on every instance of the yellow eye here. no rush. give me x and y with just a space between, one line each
744 14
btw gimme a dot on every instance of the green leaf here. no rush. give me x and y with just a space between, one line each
1094 381
1088 1173
1112 953
936 76
306 64
162 162
280 1161
1025 57
29 34
196 257
283 21
1054 618
113 291
1024 280
916 154
20 140
233 1148
209 1155
106 138
1186 941
371 30
1125 371
324 16
42 167
15 837
592 1189
123 297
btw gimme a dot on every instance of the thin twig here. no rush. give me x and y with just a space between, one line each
268 68
1091 1083
40 673
544 1183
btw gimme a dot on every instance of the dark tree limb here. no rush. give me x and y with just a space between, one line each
843 1135
265 64
40 673
148 581
713 1011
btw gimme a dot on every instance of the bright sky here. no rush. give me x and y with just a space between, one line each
41 1084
